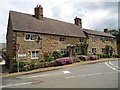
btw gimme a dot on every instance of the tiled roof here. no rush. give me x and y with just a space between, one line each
93 32
28 23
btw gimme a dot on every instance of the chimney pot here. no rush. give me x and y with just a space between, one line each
106 30
38 10
78 21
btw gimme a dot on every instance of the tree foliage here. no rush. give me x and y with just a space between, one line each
109 50
84 47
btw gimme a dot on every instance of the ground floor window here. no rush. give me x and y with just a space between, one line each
78 50
63 51
103 50
35 55
94 50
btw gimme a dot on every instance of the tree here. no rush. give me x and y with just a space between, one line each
4 54
57 54
116 33
84 47
109 50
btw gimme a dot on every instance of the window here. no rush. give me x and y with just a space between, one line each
94 51
103 50
29 37
93 38
107 38
77 50
63 51
62 38
81 39
103 39
34 55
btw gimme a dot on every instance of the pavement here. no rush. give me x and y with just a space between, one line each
56 68
93 75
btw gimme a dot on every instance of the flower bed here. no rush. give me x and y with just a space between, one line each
63 61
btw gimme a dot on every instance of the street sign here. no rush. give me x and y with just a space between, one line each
21 55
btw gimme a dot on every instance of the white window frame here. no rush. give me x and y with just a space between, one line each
63 51
30 39
94 50
35 55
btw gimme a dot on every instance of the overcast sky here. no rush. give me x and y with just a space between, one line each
96 14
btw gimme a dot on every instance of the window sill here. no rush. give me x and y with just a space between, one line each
34 58
29 40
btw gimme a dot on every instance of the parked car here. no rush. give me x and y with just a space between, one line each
63 61
93 57
83 57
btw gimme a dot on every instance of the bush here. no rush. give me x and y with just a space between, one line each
66 55
103 55
57 54
115 56
76 59
63 61
83 57
93 57
48 57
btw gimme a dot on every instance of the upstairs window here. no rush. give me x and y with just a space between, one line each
62 38
29 37
81 39
93 38
107 39
102 39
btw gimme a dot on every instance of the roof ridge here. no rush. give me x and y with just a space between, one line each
28 23
43 17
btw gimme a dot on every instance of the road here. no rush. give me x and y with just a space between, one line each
97 75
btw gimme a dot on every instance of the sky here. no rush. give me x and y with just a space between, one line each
96 15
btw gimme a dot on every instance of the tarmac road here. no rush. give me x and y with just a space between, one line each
97 75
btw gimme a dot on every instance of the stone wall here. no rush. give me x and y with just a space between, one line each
49 43
118 48
99 44
9 38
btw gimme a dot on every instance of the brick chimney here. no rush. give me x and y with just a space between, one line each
78 22
38 10
106 30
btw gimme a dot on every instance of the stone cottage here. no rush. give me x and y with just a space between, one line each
99 40
30 36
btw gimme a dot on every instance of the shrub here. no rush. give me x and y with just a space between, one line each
103 55
115 56
66 55
57 54
83 57
48 57
93 57
76 59
63 61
